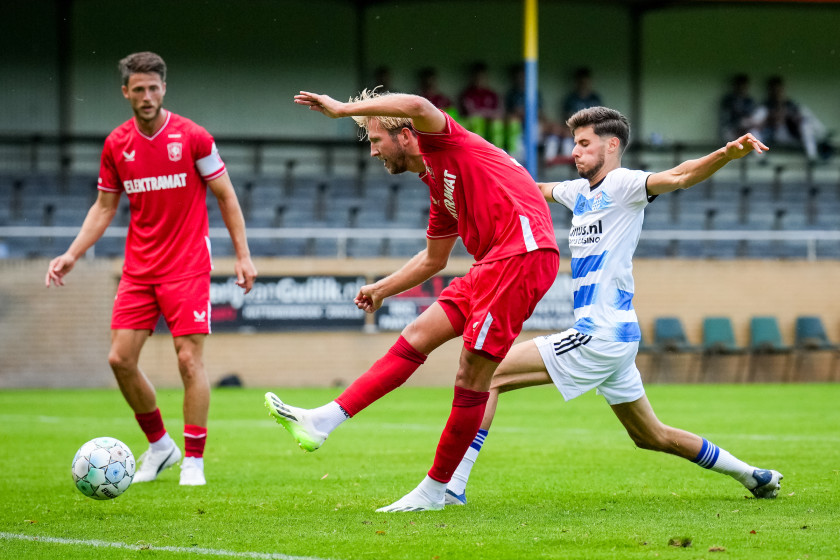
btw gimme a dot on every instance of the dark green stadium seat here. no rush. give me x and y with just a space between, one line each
719 340
669 338
811 337
766 340
669 335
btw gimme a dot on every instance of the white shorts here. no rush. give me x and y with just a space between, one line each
577 363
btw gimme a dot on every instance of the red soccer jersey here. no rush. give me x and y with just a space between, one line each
481 193
165 177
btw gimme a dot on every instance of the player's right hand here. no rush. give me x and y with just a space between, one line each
744 145
57 268
322 103
367 300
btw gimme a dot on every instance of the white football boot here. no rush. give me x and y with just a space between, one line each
192 472
768 483
422 498
152 463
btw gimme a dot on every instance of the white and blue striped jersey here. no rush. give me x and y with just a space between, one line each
605 230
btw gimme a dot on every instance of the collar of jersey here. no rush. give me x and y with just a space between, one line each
596 185
155 135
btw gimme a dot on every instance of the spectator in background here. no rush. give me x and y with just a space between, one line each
737 109
515 114
427 79
582 95
479 106
559 145
382 77
781 121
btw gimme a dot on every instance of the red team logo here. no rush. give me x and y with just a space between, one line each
175 151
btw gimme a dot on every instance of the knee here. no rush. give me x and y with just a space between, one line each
121 363
655 439
189 362
475 372
502 383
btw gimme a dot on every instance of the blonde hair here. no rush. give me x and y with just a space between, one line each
391 124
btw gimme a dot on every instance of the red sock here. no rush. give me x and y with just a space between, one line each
152 425
389 372
194 440
464 422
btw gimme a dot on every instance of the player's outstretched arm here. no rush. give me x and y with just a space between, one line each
223 190
96 222
423 114
417 270
547 190
693 171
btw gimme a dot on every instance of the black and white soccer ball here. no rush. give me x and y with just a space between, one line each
103 468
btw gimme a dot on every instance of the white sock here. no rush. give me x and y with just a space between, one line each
431 490
719 460
163 443
458 484
197 462
328 417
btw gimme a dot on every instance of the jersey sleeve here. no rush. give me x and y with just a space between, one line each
207 159
453 135
630 187
565 192
441 223
109 180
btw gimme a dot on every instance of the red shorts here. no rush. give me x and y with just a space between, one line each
185 304
489 304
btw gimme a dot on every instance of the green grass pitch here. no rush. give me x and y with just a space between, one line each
554 480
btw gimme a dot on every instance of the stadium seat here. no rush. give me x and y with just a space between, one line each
811 337
646 360
719 340
669 338
766 341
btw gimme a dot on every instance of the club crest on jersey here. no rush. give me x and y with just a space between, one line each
600 201
175 150
583 205
429 171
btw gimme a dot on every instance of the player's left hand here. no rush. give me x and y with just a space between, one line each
744 145
246 272
321 103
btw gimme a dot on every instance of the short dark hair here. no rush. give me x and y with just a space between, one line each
740 79
583 72
142 63
604 122
774 81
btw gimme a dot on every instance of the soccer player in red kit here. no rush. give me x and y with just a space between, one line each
477 192
164 163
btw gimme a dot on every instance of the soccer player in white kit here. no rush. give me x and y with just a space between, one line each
599 351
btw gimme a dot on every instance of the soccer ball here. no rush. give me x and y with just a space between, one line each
103 468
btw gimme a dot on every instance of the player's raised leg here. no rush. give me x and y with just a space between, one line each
190 351
140 395
648 432
311 427
522 367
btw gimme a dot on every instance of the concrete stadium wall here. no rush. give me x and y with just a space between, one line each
60 337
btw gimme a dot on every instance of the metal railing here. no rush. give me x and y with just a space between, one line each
343 235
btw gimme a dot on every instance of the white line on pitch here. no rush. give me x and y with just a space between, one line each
179 549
